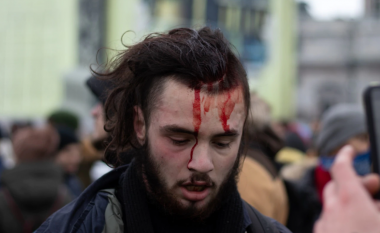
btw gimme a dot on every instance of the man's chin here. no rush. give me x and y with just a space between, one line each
193 211
197 205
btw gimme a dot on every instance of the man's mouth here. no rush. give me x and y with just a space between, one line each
195 188
196 191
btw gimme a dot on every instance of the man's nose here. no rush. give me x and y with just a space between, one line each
201 161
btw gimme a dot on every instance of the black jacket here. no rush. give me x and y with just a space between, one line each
304 204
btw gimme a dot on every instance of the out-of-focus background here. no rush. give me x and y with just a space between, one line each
302 57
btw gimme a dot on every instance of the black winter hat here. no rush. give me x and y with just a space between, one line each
99 88
66 136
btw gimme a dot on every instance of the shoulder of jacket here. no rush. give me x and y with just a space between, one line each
78 216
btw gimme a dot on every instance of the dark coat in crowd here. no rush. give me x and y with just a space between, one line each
304 204
30 193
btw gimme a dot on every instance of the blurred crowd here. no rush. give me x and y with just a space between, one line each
42 168
286 166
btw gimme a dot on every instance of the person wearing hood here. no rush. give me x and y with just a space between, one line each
34 188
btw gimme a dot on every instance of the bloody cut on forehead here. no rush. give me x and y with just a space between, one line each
197 119
225 104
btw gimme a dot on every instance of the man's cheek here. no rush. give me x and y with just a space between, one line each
166 152
225 165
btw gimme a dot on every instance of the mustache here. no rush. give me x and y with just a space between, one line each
197 177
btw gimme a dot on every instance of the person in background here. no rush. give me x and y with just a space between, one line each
92 166
298 162
348 202
342 124
34 188
259 183
64 118
6 147
294 144
68 156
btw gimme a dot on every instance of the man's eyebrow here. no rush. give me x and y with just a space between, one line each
228 133
176 129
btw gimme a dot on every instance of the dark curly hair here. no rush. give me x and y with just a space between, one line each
192 57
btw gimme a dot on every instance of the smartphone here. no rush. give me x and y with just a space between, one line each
371 99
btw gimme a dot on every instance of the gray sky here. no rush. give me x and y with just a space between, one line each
330 9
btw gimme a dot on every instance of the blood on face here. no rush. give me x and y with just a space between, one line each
224 102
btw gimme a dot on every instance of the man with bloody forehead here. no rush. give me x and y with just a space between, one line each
179 104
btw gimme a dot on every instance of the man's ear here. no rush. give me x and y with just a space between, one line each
139 125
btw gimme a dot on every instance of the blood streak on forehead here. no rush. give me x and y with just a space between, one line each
226 105
197 120
225 102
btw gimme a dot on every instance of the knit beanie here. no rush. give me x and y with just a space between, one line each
339 123
66 136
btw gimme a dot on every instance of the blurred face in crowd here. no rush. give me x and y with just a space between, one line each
99 120
69 158
193 142
33 144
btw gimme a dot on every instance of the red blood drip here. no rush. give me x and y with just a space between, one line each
197 120
192 149
226 113
207 104
226 106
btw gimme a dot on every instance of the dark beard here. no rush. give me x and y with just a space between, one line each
160 196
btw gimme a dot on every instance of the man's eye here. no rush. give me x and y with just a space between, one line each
222 145
179 142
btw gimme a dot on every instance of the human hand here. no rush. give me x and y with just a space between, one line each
348 206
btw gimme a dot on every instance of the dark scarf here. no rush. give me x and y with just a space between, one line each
229 218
